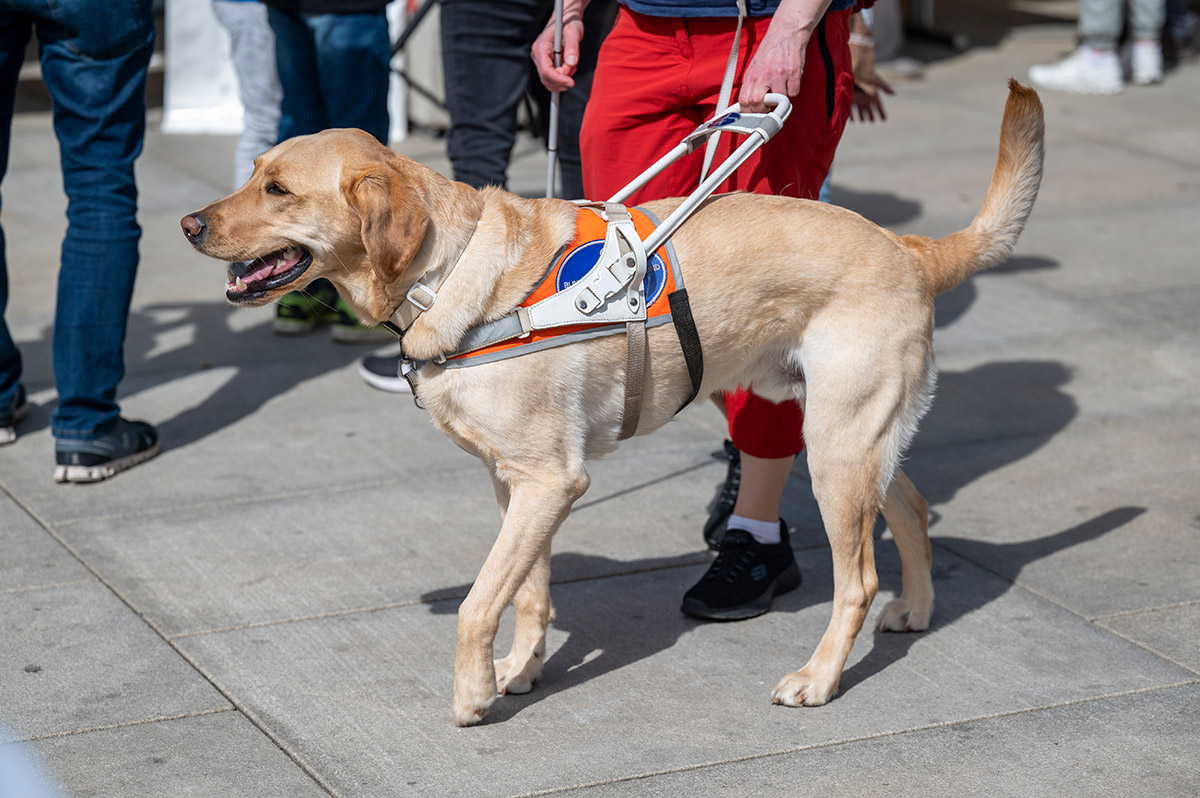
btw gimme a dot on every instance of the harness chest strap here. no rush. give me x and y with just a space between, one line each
624 266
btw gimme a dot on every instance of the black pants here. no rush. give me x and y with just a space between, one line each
485 57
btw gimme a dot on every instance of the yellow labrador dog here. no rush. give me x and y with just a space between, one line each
799 299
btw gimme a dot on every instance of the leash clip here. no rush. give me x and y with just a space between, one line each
408 370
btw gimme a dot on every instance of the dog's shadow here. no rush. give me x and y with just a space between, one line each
1008 410
608 629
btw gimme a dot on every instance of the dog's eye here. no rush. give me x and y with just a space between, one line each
275 188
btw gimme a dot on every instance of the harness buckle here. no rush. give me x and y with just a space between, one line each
428 303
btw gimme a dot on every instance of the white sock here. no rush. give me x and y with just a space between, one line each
766 532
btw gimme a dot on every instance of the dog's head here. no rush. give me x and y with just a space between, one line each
337 204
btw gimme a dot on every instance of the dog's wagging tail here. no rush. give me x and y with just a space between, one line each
836 313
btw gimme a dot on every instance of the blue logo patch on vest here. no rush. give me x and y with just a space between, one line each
577 264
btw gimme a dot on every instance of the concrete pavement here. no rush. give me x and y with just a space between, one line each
268 608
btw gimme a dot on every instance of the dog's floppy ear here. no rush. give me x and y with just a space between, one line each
393 219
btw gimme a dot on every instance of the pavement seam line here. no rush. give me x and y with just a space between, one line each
1128 613
221 690
1150 649
50 586
851 740
455 596
344 488
1076 613
127 724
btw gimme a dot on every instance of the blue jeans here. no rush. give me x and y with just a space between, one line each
94 58
334 69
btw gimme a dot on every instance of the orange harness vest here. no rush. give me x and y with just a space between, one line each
504 337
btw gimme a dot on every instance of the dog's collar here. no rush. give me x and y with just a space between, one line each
418 299
422 294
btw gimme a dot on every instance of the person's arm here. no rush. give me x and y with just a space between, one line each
779 61
869 87
560 78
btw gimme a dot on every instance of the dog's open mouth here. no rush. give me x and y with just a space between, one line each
250 280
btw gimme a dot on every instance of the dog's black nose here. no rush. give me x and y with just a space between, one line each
193 227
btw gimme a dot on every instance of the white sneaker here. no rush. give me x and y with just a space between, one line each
1146 63
1085 71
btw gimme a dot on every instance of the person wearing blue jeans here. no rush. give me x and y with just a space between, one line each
93 63
334 63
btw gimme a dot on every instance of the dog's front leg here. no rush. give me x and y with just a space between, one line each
517 672
539 503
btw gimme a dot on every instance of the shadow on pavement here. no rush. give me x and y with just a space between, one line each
889 647
608 629
169 342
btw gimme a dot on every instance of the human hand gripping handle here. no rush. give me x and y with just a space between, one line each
778 62
560 77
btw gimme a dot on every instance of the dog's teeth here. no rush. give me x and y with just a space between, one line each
241 286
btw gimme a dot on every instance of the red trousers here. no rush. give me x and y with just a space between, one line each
658 78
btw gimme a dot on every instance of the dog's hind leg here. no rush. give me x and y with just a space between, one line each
907 515
860 408
539 503
848 510
517 672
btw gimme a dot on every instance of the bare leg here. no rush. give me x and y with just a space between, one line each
763 483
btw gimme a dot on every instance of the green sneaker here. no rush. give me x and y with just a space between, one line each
347 329
299 312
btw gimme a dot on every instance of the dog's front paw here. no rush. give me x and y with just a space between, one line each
801 689
471 706
516 675
902 616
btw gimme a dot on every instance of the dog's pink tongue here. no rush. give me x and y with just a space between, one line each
271 265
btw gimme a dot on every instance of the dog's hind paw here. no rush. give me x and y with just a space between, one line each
899 615
517 676
801 689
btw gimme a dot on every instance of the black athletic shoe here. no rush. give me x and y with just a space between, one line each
9 416
744 578
722 506
383 373
124 446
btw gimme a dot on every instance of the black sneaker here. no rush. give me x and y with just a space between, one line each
744 578
124 446
722 506
383 373
9 416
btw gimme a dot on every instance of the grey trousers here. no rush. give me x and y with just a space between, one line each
253 46
1100 21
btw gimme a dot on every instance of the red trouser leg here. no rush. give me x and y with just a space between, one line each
657 79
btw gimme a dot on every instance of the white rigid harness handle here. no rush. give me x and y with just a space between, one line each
758 129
